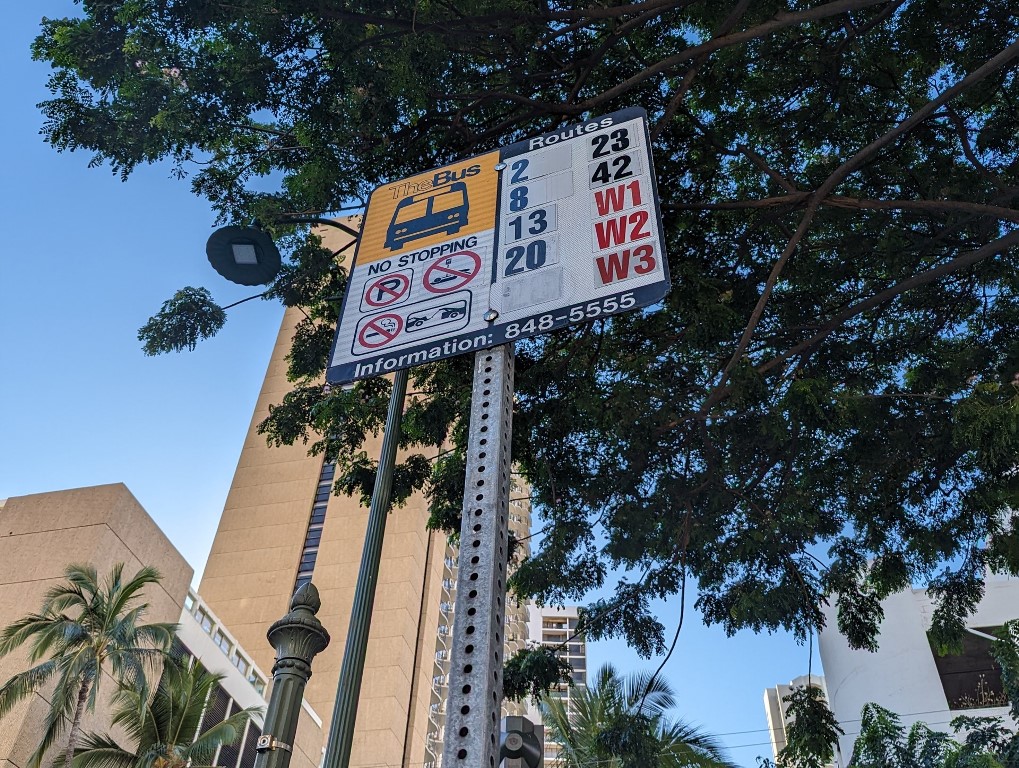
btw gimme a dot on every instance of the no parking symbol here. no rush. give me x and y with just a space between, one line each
386 290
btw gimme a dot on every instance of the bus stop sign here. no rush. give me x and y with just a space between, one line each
551 231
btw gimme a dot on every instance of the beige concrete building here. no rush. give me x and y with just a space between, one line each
280 527
43 533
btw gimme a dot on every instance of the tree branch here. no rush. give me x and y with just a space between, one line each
837 176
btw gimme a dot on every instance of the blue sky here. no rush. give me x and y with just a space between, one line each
85 260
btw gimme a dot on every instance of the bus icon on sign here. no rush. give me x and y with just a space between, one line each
443 209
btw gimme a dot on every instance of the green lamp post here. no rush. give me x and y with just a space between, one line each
297 638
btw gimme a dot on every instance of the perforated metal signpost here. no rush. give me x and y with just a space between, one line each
475 679
552 231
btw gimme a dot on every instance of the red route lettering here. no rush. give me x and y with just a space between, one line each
613 199
612 232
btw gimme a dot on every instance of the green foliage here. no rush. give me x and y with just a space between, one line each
86 628
191 315
813 731
883 743
621 723
163 728
534 672
1006 653
825 407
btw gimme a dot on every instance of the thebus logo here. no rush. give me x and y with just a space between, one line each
428 213
448 177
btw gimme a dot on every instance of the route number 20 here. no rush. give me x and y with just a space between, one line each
533 256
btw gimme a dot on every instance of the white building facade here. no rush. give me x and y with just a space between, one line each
558 628
776 709
906 676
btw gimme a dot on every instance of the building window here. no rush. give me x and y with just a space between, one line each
313 537
221 640
249 752
229 754
259 684
203 620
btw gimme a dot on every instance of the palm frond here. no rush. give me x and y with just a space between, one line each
648 692
23 684
55 724
638 705
123 594
101 751
85 627
225 733
690 746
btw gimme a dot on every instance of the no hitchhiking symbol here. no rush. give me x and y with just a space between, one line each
386 290
453 272
378 331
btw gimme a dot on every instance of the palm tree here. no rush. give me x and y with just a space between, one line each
85 627
164 727
621 722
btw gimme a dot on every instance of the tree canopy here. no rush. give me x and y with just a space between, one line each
826 405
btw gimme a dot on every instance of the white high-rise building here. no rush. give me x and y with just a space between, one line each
558 628
776 708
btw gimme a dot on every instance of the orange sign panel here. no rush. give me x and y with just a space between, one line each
424 210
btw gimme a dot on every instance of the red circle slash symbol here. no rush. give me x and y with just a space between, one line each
379 331
384 290
452 272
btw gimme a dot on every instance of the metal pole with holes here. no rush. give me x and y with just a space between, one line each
475 678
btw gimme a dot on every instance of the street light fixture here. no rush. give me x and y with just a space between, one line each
248 256
244 255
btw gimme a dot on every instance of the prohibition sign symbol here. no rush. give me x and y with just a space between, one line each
379 331
453 272
387 289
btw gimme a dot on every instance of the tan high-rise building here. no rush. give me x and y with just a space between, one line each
281 526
